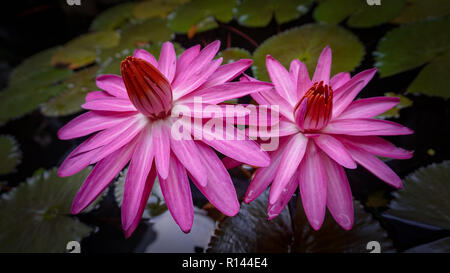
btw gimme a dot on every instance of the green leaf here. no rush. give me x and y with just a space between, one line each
395 111
412 45
433 78
16 102
75 89
250 231
258 13
416 10
10 155
199 13
81 51
36 214
156 8
233 54
439 246
113 18
359 13
424 198
306 43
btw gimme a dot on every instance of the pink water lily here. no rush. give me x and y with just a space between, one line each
130 120
322 130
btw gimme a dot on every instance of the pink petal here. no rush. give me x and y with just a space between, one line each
110 104
161 142
185 60
281 79
227 72
303 80
276 208
76 161
233 144
227 91
369 108
196 80
168 61
293 155
270 97
199 62
377 146
102 174
207 111
146 56
264 175
336 150
177 194
187 153
91 122
113 84
145 195
365 127
374 165
323 67
230 163
135 187
313 186
283 128
339 195
339 79
345 94
95 95
220 189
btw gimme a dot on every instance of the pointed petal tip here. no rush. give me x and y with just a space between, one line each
345 221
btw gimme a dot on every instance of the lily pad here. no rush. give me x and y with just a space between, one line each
16 102
82 50
412 45
424 198
113 18
156 8
250 231
10 154
439 246
36 214
258 13
233 54
200 14
416 10
359 13
395 111
75 89
432 79
306 43
36 71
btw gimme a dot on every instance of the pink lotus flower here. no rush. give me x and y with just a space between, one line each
132 121
321 131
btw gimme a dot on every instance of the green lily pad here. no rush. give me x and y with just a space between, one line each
15 102
113 18
439 246
75 89
81 51
250 231
412 45
36 214
306 43
416 10
359 13
156 8
258 13
432 79
233 54
424 198
201 14
155 205
395 111
10 154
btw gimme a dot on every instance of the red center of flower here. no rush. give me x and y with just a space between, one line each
313 111
147 88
